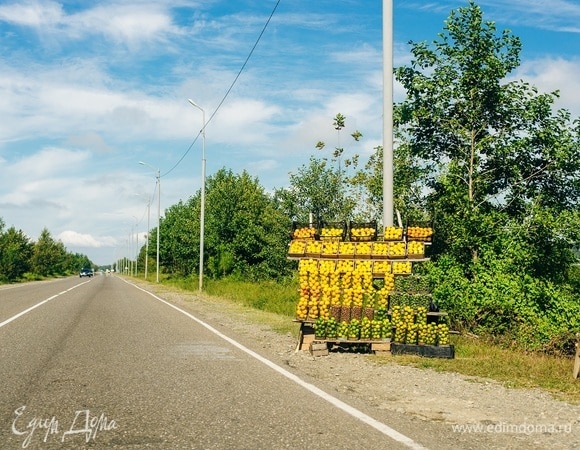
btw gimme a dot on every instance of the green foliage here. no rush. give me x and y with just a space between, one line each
502 152
502 173
322 187
48 256
23 259
15 254
317 189
508 305
245 235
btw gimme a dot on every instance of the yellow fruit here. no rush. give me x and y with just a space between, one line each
397 249
402 267
297 247
416 248
313 247
346 248
304 233
393 233
380 249
381 267
364 232
326 233
420 233
363 248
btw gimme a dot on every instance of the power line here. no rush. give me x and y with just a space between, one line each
228 91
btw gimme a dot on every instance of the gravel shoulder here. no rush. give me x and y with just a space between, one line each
424 395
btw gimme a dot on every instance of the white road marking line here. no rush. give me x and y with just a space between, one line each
388 431
7 321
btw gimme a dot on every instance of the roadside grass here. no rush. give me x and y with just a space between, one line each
473 357
510 367
277 299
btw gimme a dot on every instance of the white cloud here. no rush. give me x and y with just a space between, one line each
130 23
74 239
551 74
48 162
556 15
32 13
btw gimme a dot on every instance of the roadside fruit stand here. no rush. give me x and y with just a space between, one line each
357 287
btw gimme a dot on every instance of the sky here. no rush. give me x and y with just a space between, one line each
89 89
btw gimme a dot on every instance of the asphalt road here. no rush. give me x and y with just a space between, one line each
99 363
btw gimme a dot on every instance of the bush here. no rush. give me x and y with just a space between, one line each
509 307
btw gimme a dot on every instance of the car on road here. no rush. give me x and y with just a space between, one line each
85 272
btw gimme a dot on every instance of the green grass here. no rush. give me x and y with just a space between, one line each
511 367
473 357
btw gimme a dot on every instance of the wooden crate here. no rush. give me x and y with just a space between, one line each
318 348
306 336
381 348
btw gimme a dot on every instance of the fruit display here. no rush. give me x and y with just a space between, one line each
413 284
304 233
342 331
363 249
364 289
346 250
411 327
297 248
354 328
402 267
363 233
393 233
442 334
331 233
329 249
381 267
332 328
365 328
416 249
415 233
386 329
376 329
380 249
344 266
313 248
397 250
398 298
399 324
427 334
320 328
363 266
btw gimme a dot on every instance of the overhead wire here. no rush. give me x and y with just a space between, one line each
227 92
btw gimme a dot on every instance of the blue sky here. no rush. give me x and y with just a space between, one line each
89 89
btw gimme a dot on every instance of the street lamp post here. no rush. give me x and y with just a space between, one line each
202 213
158 176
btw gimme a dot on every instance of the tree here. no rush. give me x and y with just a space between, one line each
48 256
316 188
15 253
502 169
245 233
322 190
501 150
